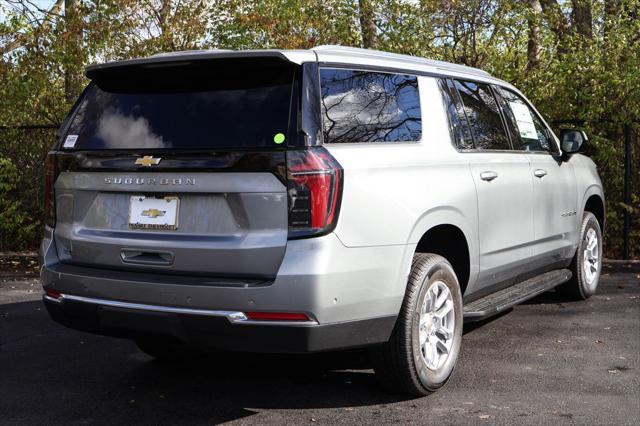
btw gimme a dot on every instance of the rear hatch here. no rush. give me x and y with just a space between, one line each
178 167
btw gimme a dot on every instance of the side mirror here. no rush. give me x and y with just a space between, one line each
573 141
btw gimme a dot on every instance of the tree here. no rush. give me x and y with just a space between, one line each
533 45
581 19
367 24
577 59
73 64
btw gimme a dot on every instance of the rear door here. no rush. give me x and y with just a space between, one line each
555 220
179 168
503 184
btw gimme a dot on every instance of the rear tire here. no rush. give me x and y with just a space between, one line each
166 349
421 354
587 262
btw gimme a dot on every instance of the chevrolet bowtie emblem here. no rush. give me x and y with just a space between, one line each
147 161
153 213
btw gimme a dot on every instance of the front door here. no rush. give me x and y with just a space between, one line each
555 221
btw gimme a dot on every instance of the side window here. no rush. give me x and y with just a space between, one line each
457 119
527 131
483 114
361 106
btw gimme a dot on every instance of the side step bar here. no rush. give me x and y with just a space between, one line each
502 300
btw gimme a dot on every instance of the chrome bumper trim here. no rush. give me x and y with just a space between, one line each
235 317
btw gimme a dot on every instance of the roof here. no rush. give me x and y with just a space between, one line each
324 54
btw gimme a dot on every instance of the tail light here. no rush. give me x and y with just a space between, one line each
50 175
314 183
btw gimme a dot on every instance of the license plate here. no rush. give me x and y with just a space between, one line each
153 213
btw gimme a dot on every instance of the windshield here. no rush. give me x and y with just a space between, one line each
214 105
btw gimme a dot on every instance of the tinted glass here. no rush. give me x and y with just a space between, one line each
483 113
526 128
457 119
359 106
186 108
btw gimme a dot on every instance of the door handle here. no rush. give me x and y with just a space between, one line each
539 173
488 176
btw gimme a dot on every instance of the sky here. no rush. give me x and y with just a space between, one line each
42 4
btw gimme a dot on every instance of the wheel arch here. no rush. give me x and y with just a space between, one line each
446 231
593 201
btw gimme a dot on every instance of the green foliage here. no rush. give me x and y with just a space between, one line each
584 71
16 226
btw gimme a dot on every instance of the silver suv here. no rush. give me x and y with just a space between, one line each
311 200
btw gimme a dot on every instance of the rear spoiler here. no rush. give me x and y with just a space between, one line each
95 71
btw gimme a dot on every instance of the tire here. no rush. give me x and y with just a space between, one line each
400 364
166 349
587 262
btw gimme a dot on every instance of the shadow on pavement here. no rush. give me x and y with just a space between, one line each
98 378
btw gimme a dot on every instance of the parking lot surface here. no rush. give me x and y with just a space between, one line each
549 361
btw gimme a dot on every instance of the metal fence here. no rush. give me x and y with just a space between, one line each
616 151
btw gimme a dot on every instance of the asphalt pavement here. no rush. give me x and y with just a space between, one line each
549 361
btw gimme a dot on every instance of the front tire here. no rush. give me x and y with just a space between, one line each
587 262
420 355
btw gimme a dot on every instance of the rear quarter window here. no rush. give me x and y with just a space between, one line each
363 106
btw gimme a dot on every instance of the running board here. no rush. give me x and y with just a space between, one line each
502 300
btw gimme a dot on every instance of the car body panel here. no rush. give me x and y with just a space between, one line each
244 232
231 252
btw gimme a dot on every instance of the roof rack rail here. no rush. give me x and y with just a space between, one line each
378 54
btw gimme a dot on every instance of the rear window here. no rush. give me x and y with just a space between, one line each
213 105
361 106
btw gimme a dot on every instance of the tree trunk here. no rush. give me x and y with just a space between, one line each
581 18
611 13
367 24
557 21
533 46
73 49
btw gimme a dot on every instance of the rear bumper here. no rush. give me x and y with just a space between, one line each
352 295
217 331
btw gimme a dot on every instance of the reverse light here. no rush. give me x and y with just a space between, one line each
314 183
